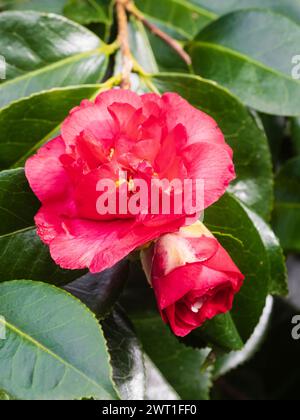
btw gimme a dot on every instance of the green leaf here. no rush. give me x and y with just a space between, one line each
49 6
255 49
295 125
157 388
22 254
126 356
4 396
152 53
100 291
54 347
228 362
276 130
27 124
182 366
141 47
290 8
18 204
228 218
221 332
88 11
254 184
167 59
286 217
178 17
255 250
278 284
46 51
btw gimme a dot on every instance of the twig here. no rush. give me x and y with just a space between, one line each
127 62
158 32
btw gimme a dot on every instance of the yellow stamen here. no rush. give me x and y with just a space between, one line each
120 182
111 153
131 185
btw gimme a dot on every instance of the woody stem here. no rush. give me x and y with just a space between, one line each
123 37
131 8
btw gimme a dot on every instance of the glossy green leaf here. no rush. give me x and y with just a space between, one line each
286 217
126 354
49 6
18 204
157 388
152 53
46 51
255 49
182 366
27 124
100 291
22 254
255 251
295 125
276 130
221 332
4 396
254 184
88 11
226 363
54 347
180 17
167 59
231 225
290 8
141 47
278 284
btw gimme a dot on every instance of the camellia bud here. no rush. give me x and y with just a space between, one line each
193 277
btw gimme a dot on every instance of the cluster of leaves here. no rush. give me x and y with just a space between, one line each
73 335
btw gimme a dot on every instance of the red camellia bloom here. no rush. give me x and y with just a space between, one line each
193 277
149 137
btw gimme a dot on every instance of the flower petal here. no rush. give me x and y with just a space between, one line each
46 174
212 164
120 96
200 126
77 243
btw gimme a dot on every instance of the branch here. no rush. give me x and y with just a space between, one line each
158 32
123 36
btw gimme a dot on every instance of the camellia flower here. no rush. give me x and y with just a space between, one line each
193 277
146 137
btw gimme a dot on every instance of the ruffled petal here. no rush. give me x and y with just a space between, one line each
46 174
77 243
211 164
94 117
200 126
120 96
